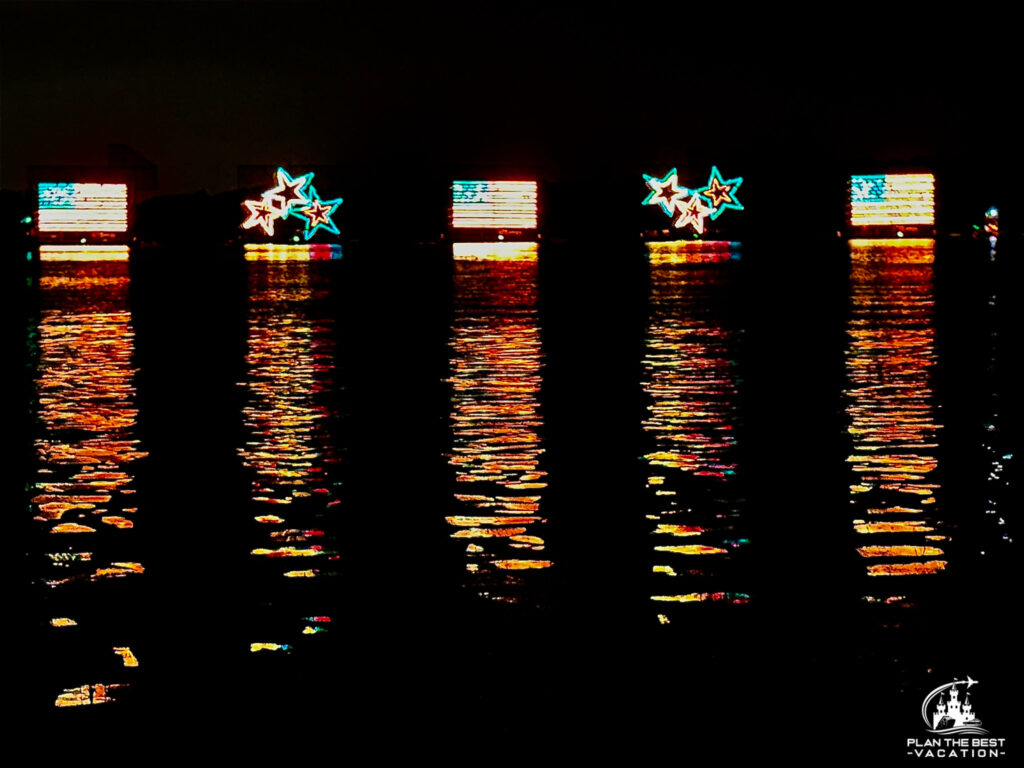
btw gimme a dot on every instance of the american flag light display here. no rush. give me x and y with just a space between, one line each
74 207
900 199
494 204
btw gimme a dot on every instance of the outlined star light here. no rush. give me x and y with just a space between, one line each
288 192
666 192
720 193
693 214
261 213
318 214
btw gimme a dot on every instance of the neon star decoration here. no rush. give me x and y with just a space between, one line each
721 193
261 213
693 214
692 207
288 192
292 196
666 192
318 214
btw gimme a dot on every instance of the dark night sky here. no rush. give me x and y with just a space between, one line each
200 88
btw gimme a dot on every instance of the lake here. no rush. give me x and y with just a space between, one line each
587 495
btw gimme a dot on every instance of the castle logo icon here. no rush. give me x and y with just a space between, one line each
948 711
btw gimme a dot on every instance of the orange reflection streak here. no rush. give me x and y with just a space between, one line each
85 695
892 526
691 251
899 551
521 565
288 552
496 447
687 375
127 657
477 521
702 597
907 569
71 528
86 443
290 365
692 549
485 533
691 416
893 250
289 417
889 401
116 570
679 530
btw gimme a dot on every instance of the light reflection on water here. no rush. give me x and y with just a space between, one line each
691 251
290 448
697 524
690 380
998 449
83 253
890 361
496 449
501 251
82 494
292 252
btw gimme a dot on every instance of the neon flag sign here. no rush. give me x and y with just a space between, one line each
494 204
894 199
76 207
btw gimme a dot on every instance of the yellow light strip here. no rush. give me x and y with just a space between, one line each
494 251
284 252
901 250
887 242
83 253
691 251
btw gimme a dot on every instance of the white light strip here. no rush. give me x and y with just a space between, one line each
906 200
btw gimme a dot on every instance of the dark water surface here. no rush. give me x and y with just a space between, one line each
578 500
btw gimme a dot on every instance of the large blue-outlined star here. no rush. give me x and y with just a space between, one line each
288 193
666 192
318 214
721 193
